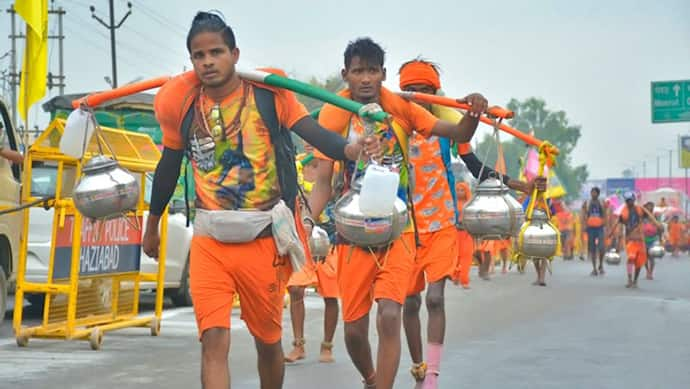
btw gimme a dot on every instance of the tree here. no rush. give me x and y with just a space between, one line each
554 126
332 83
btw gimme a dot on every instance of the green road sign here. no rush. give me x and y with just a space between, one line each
670 101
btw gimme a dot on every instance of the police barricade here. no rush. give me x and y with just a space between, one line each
93 276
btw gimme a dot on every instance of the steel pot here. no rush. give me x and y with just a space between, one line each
105 189
492 213
539 239
365 231
657 251
612 257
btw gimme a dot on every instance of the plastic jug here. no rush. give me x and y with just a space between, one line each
379 191
78 131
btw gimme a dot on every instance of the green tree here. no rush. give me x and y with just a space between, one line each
554 126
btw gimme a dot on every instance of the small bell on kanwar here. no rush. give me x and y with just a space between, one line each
612 257
539 239
493 213
105 190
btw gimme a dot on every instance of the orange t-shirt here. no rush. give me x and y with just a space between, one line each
675 230
239 171
433 201
406 115
565 220
464 200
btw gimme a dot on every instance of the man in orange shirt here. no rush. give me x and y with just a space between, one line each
321 273
383 275
241 189
631 220
565 226
675 233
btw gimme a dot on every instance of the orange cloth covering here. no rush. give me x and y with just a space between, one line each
419 72
675 231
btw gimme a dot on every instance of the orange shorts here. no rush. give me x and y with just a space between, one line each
436 258
327 276
361 280
637 253
305 277
253 270
495 246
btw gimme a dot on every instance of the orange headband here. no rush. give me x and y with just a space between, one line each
419 73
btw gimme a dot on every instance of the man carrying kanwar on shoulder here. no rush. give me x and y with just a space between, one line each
437 219
631 218
365 274
236 134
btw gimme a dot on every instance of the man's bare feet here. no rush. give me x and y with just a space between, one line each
326 353
370 383
297 352
466 286
629 284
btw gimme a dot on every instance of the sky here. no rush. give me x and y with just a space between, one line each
593 59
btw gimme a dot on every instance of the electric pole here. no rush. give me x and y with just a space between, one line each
112 27
14 75
58 80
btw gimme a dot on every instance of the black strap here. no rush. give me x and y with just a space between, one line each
283 147
185 130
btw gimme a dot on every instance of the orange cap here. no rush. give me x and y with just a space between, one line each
419 72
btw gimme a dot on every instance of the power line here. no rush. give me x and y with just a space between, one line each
112 26
162 20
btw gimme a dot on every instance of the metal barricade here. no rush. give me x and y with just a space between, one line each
93 279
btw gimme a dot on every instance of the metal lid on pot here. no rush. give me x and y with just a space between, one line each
491 185
98 163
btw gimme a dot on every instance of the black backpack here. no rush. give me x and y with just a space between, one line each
283 147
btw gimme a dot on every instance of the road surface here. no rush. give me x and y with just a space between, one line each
579 332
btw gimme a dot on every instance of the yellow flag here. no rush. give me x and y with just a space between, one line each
35 64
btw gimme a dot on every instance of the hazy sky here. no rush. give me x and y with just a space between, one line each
593 59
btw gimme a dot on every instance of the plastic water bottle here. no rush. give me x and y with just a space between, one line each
379 190
78 131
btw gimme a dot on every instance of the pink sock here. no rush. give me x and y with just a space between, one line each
631 268
433 352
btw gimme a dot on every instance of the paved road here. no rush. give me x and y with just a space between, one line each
579 332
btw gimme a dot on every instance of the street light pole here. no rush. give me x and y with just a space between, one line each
670 168
112 27
658 170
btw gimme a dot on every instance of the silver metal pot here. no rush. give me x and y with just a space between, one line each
517 214
612 257
365 231
319 244
657 251
105 189
492 213
540 239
